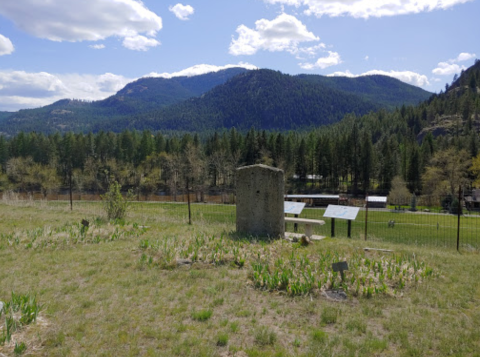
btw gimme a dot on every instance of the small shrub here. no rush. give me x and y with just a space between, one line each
114 203
265 337
202 315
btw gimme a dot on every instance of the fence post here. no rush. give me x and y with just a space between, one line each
366 215
188 201
458 213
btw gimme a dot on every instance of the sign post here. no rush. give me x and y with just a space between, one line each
293 208
341 212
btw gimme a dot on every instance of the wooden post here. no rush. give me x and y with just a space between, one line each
366 215
188 200
333 227
349 232
70 184
459 212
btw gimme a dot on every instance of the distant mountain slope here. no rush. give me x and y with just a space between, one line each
140 96
152 93
264 99
234 97
387 91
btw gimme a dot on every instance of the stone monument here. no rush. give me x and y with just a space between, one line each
260 201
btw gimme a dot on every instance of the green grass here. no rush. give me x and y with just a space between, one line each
99 297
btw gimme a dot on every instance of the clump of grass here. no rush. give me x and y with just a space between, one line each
319 336
234 326
19 348
264 336
202 315
222 339
329 316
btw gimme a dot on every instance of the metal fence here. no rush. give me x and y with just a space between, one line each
436 221
433 226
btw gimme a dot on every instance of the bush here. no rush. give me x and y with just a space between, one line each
114 203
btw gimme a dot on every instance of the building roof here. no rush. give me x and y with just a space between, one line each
378 199
332 197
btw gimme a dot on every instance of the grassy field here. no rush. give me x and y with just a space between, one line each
121 289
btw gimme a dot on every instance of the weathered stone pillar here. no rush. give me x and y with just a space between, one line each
260 207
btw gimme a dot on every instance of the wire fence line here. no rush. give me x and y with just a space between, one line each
436 226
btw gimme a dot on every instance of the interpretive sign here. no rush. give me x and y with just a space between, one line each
341 212
293 207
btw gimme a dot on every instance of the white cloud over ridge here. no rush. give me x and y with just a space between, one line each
332 59
86 20
200 69
368 8
284 33
6 46
445 69
182 12
451 67
409 77
22 90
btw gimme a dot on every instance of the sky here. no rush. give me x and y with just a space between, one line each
90 49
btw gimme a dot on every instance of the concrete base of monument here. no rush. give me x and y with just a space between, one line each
295 237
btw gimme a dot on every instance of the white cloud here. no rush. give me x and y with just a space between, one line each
464 56
86 20
20 83
451 67
284 33
139 43
445 69
20 90
332 59
182 11
409 77
97 47
368 8
300 52
200 69
6 46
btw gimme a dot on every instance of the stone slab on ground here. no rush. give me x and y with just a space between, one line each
290 236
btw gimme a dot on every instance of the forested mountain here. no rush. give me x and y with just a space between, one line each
235 97
386 91
142 95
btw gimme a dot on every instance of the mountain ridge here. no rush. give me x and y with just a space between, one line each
234 97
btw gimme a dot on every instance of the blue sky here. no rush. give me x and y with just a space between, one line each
90 49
